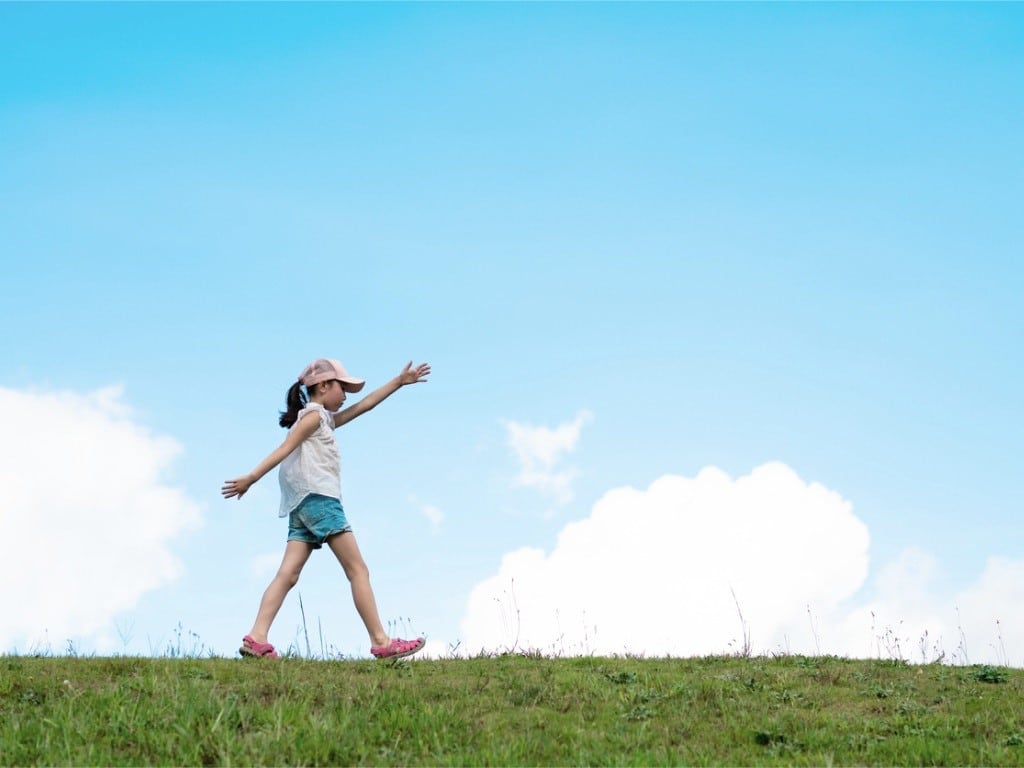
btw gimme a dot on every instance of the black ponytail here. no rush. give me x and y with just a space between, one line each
295 400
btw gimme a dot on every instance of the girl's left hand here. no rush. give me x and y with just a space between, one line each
236 487
410 375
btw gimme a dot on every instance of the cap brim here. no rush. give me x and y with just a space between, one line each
352 385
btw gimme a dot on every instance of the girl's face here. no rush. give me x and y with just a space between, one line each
332 395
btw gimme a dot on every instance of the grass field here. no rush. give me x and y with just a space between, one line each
507 710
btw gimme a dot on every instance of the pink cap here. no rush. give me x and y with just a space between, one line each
326 369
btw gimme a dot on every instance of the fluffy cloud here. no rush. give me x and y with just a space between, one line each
767 563
989 621
540 451
669 570
909 616
86 515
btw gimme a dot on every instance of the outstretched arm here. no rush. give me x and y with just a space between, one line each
409 375
306 427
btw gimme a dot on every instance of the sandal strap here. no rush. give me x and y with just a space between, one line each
397 647
257 648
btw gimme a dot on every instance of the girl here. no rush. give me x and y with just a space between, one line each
310 479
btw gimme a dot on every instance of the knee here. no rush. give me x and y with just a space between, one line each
357 571
288 578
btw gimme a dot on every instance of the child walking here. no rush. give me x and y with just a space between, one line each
310 478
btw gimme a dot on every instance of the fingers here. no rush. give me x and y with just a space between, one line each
415 375
230 489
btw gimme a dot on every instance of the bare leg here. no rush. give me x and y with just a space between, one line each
296 553
345 548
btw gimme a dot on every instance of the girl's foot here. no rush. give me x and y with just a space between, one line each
255 648
396 648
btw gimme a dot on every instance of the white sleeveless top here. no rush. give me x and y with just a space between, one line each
314 466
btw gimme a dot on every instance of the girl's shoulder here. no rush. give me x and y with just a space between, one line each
323 414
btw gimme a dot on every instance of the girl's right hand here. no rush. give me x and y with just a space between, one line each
236 487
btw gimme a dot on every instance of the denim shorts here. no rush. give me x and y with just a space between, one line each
316 519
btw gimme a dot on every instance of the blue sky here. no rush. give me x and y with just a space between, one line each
691 235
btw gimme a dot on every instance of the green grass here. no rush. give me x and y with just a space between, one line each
507 710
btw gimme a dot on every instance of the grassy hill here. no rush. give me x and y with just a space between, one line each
508 710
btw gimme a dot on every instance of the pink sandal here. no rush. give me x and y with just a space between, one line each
396 649
259 650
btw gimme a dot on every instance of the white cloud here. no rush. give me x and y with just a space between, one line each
668 570
540 451
86 515
655 571
910 616
988 613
